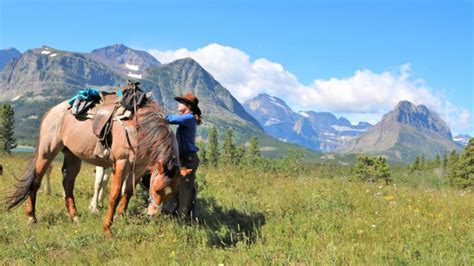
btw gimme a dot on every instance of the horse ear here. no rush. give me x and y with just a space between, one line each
184 172
160 168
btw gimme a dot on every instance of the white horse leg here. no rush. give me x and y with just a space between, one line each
103 185
99 176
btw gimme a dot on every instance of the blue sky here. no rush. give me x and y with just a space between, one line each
312 40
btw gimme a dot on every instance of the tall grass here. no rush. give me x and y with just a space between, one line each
280 212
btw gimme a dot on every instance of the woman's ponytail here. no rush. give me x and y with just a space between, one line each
198 118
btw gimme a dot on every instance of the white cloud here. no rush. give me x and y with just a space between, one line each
364 95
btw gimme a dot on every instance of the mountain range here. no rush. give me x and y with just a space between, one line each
320 131
404 133
41 77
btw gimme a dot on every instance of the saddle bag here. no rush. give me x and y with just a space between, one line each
128 98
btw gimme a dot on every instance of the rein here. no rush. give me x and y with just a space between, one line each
134 87
153 202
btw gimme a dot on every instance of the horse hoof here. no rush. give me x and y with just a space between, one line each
94 210
32 220
75 220
108 233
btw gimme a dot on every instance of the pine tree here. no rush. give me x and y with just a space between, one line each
445 160
437 161
452 165
422 162
202 153
7 127
416 165
239 155
453 157
253 150
372 169
213 151
462 173
382 170
228 148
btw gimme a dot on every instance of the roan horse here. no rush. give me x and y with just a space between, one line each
142 143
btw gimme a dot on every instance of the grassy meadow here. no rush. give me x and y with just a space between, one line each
287 213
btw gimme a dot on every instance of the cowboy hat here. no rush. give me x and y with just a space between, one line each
191 100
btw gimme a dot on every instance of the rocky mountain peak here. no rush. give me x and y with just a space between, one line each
11 50
404 133
419 117
6 55
270 110
124 60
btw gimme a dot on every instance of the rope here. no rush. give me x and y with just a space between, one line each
136 128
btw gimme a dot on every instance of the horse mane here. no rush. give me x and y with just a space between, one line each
155 137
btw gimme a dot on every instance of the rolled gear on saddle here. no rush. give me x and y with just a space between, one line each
83 101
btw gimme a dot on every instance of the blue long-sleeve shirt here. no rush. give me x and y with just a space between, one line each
186 132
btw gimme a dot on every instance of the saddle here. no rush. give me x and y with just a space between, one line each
103 112
111 107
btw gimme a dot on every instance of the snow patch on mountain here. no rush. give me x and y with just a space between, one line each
132 75
344 128
16 98
272 121
274 101
304 114
132 67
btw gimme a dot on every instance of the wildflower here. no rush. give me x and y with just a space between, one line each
389 198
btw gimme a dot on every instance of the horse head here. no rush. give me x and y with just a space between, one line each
158 149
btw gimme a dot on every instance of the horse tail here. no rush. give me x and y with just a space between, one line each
23 186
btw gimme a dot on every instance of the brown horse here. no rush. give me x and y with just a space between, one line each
146 140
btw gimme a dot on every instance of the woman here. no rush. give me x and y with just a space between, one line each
188 119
